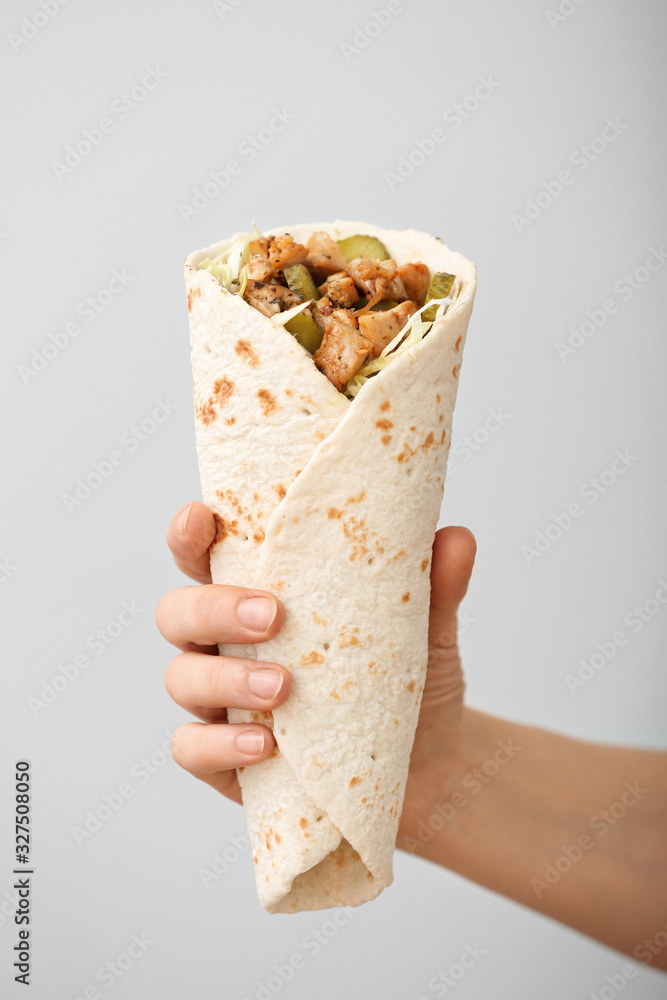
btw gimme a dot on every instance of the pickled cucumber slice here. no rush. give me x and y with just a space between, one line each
383 305
363 246
300 280
304 329
440 287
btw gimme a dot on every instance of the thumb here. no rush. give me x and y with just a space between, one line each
454 551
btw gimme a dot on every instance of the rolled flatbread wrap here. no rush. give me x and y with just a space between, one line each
331 503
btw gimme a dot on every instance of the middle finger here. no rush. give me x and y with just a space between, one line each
202 616
201 683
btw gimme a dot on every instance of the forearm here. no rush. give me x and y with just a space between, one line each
571 829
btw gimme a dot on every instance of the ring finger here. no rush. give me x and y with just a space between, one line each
203 684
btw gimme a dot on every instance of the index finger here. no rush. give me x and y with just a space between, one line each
189 537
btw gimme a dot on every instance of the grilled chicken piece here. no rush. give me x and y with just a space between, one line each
382 327
259 268
344 349
416 278
324 257
279 252
270 299
341 290
377 278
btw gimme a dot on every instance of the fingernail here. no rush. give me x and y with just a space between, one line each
265 683
182 522
251 741
257 613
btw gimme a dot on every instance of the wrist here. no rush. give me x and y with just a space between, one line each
438 810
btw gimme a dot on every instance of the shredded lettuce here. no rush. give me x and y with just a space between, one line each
284 317
226 267
413 331
241 290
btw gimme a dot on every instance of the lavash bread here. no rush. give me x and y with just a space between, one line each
332 505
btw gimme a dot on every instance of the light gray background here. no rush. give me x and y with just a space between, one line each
355 116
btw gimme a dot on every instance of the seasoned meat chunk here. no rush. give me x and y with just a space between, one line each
278 251
416 278
344 348
341 290
377 279
324 257
381 327
270 299
260 268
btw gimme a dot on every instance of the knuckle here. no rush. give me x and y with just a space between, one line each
196 748
161 612
181 746
208 606
172 676
212 687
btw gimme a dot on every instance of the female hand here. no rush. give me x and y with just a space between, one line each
195 619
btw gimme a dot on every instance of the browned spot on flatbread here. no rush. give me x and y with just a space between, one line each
384 424
424 565
234 500
386 438
348 640
223 528
406 597
313 657
303 822
318 619
357 533
205 412
398 555
193 293
230 420
334 694
266 401
410 687
222 390
258 536
441 418
277 836
246 353
289 392
354 781
438 398
427 442
458 343
333 512
280 490
443 437
254 858
455 370
385 405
